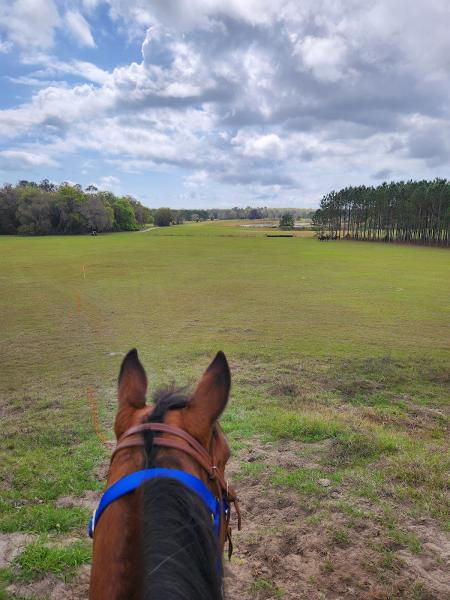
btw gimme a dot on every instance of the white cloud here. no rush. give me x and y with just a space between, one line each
80 68
15 160
79 28
267 146
108 183
54 109
29 23
54 68
90 5
5 47
197 179
326 57
197 13
31 81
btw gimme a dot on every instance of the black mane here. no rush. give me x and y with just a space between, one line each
179 543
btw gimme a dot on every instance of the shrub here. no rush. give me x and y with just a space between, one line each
163 217
286 221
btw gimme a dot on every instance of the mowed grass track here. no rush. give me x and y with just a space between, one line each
339 341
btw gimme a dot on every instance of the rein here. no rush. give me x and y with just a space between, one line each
219 505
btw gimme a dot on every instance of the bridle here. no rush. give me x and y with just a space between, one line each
225 494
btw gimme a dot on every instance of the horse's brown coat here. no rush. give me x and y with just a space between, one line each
116 567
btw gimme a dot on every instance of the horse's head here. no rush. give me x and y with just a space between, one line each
178 432
197 415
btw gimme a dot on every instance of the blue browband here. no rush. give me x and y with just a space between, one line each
131 482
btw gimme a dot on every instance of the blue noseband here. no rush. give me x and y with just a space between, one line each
132 482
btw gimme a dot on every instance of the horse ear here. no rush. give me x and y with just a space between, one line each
132 381
211 396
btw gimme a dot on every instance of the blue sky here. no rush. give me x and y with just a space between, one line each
224 103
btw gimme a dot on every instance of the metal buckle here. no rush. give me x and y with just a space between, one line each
92 523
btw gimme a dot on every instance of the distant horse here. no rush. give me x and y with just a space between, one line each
161 526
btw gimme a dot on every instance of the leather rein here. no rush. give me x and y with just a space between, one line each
225 494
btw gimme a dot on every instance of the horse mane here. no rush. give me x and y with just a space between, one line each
179 543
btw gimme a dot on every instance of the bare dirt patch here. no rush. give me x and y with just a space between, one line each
88 500
52 588
433 564
11 544
285 453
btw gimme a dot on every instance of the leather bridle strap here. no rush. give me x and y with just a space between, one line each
164 428
191 447
159 441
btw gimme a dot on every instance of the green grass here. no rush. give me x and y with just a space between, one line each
41 476
302 480
39 559
339 537
253 470
358 447
292 425
267 587
41 518
5 579
342 341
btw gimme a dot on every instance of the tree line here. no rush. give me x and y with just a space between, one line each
413 212
31 208
167 216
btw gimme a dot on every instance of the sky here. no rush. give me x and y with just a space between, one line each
222 103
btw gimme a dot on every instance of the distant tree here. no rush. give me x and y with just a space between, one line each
33 214
26 183
124 217
286 221
412 211
179 217
40 209
91 189
142 213
255 213
69 210
163 217
47 186
195 217
8 208
99 215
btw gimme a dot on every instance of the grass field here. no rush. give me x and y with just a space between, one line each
339 413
